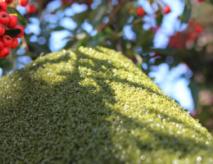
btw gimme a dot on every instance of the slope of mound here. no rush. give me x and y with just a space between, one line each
94 106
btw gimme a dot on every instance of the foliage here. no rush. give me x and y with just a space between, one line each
106 27
94 106
104 23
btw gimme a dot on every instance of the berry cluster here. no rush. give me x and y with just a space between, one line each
188 38
30 7
141 12
10 30
200 1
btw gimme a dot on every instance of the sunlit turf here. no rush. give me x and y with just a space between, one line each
94 106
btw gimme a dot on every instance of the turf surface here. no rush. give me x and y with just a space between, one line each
94 106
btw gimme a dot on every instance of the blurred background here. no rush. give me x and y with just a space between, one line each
171 41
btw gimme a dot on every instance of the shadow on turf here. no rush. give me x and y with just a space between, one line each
68 122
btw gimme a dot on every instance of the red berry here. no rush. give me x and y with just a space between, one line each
8 1
1 44
140 11
23 2
3 6
7 40
14 43
31 9
89 2
198 28
4 18
21 29
167 9
2 30
13 21
4 52
67 2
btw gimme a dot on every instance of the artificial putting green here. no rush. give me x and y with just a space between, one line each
94 106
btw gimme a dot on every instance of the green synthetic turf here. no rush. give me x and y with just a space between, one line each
94 106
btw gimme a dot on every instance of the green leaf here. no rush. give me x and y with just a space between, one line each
21 19
211 1
187 11
194 91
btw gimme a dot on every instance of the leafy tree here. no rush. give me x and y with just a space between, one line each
107 23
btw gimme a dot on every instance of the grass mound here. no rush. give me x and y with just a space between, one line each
94 106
